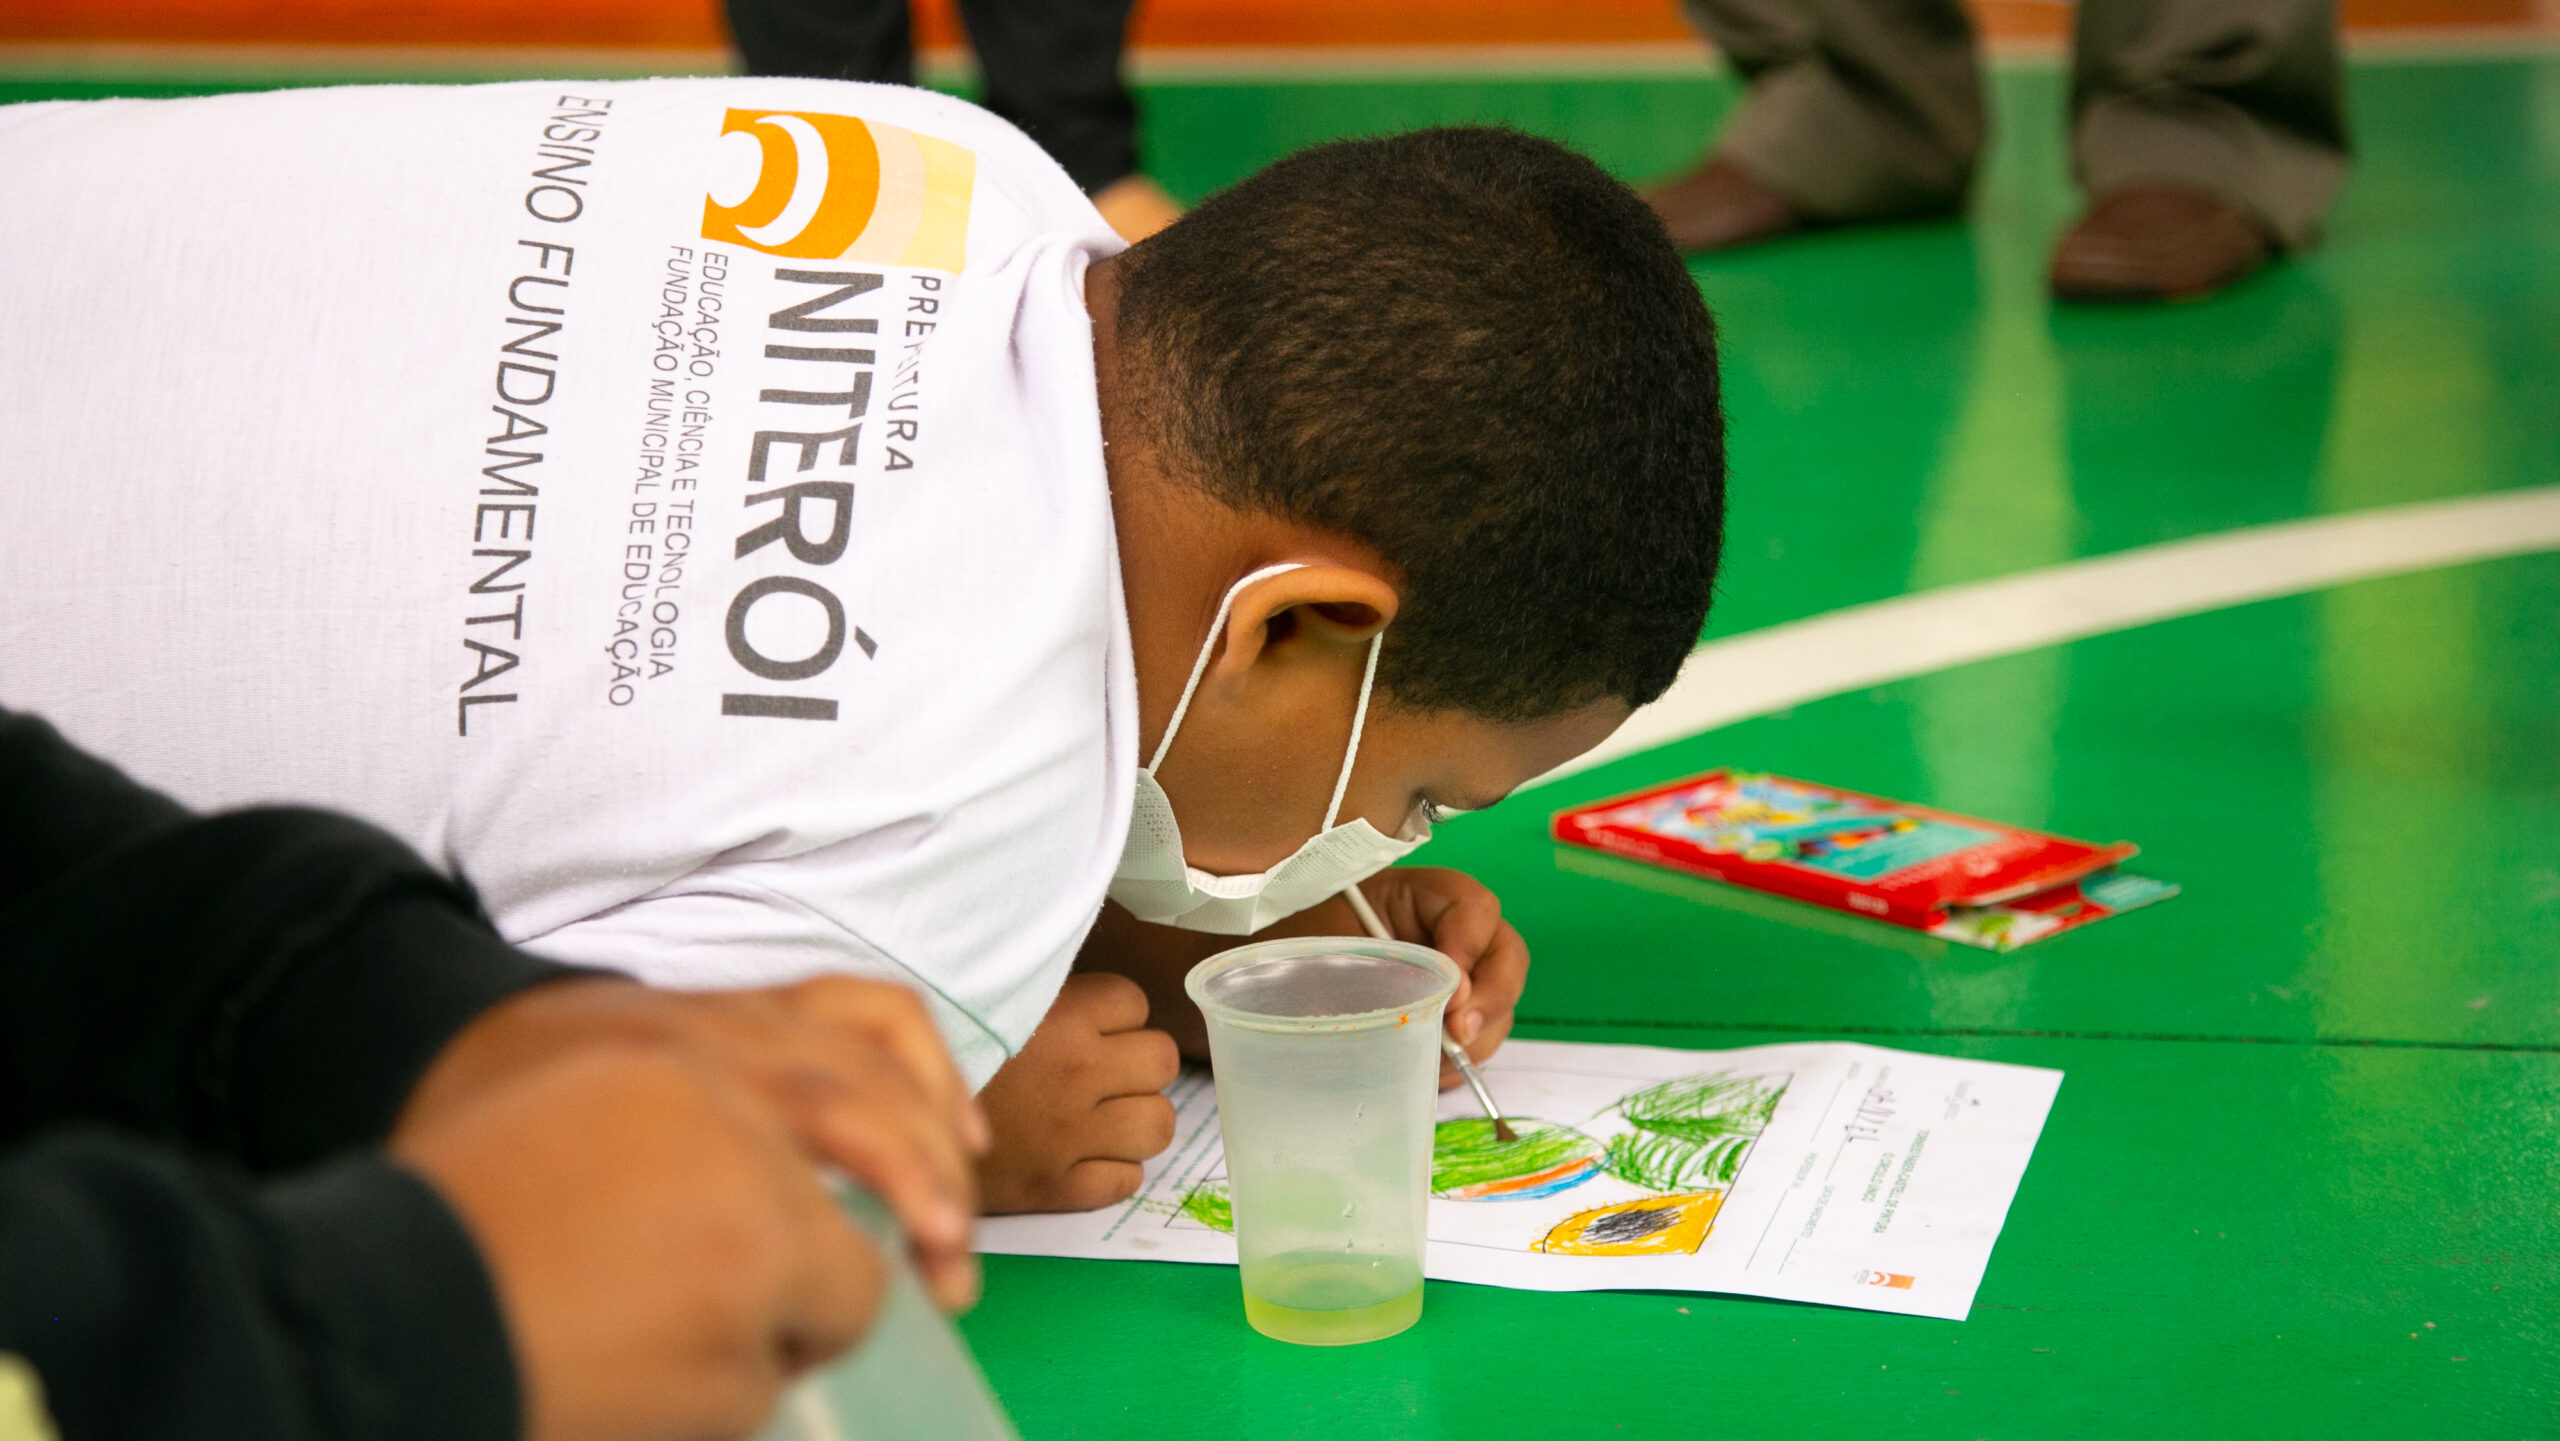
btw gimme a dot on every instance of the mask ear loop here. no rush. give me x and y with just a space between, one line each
1200 667
1359 720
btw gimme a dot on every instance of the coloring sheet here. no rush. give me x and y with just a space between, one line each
1831 1172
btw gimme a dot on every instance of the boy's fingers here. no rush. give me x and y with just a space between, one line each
1490 1036
1109 1003
1142 1063
1495 985
1504 973
1464 919
1088 1184
1131 1128
1458 917
1395 894
1467 926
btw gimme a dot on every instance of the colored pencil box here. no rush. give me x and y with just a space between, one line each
1961 877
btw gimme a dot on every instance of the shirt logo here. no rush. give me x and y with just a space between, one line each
830 187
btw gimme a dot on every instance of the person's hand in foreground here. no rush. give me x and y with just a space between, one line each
663 1253
1455 914
854 1069
1080 1110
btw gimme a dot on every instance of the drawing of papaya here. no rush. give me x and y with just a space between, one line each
1646 1226
1470 1163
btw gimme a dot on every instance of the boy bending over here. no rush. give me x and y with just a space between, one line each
759 529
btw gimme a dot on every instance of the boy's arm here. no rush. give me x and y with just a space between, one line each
1447 910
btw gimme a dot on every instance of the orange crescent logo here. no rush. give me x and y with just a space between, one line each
835 187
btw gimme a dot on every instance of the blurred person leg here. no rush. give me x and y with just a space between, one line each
1854 110
2209 135
1053 67
826 39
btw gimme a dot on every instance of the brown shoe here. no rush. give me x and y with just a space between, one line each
1719 206
2158 242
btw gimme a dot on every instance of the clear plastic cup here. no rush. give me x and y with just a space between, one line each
911 1377
1327 1053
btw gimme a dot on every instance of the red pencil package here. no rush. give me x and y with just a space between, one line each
1904 864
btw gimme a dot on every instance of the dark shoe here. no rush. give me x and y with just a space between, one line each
1719 206
2158 242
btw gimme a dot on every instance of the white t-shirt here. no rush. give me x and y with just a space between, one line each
678 505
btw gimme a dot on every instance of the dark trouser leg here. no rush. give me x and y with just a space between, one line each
2242 98
830 39
1053 68
1857 109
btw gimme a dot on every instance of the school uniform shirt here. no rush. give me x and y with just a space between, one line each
675 505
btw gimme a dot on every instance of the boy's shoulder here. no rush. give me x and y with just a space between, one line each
857 155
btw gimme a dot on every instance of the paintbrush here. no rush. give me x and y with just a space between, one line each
1449 1046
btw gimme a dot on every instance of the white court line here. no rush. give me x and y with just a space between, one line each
1761 671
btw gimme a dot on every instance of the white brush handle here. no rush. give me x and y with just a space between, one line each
1449 1046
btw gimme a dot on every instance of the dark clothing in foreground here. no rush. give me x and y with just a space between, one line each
205 1026
1859 110
1051 66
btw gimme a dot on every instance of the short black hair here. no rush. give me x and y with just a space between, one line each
1475 351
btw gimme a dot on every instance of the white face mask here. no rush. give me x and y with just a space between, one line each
1156 883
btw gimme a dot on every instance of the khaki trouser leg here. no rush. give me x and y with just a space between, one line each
2243 98
1857 109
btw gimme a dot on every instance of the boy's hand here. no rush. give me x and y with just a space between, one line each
1079 1111
1453 913
1447 910
854 1068
664 1255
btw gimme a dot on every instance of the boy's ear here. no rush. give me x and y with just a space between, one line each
1323 605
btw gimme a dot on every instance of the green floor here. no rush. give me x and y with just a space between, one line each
2302 1178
